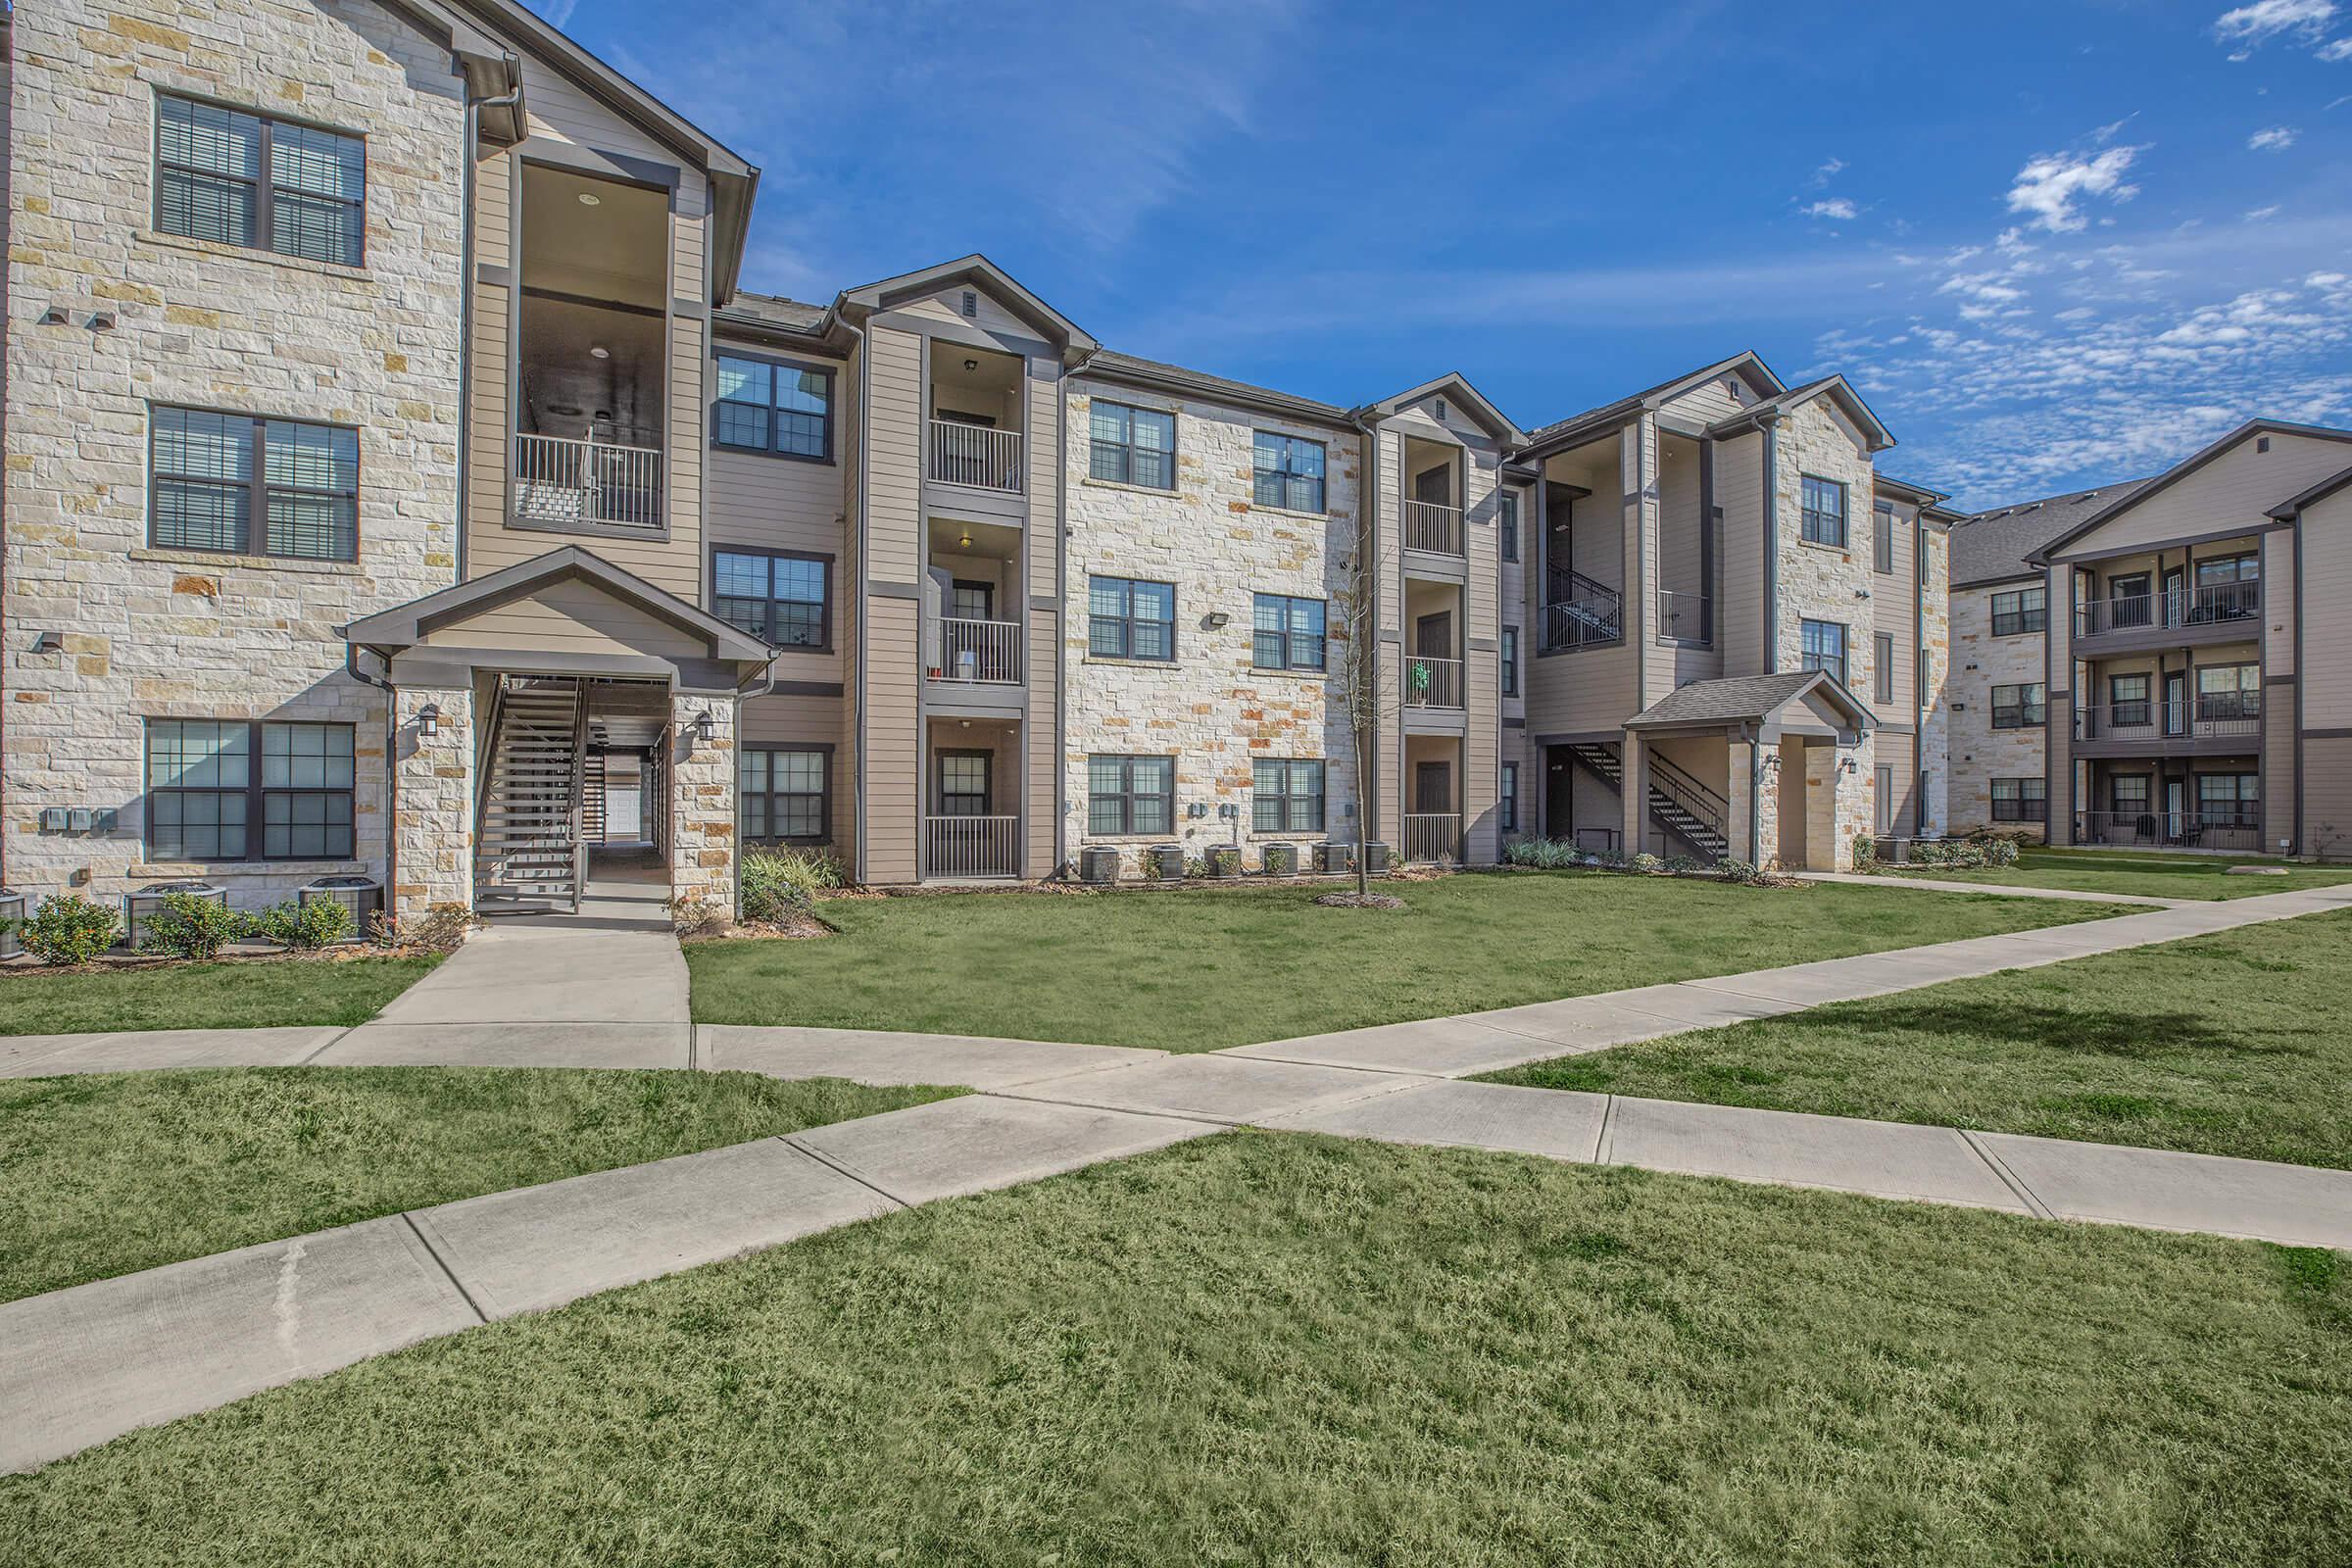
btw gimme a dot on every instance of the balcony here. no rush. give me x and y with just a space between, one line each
2239 830
1684 617
2221 612
1582 614
1434 528
958 848
1432 838
2215 722
1433 683
979 653
976 457
563 480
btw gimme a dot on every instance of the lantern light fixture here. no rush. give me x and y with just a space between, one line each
428 721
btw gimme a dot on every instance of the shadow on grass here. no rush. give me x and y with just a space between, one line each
2138 1036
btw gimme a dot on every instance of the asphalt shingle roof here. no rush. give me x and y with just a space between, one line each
776 308
1728 701
1988 546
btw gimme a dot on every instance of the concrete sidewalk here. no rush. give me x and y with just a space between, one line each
2004 889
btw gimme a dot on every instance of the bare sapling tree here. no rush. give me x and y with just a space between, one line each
1357 631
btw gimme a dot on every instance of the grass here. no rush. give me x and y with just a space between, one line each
2237 1044
110 1173
2149 875
1265 1347
204 996
1200 969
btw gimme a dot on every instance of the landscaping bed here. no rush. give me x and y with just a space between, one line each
1265 1347
110 1173
2237 1044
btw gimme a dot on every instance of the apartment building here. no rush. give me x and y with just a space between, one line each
398 484
2151 664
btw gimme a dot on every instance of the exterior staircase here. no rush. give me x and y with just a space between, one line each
530 852
1678 803
592 797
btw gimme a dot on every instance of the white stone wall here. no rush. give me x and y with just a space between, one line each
1980 753
432 817
1934 696
701 798
1821 582
1210 709
183 633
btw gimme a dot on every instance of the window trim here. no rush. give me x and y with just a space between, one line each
1127 796
1322 663
2025 622
1322 507
1287 797
1507 653
1506 518
2039 801
1128 621
1128 447
2030 710
1806 514
832 376
944 755
824 794
1846 649
1882 538
257 506
825 611
1882 675
265 183
1506 798
255 793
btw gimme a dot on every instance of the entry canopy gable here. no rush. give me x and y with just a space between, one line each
1802 702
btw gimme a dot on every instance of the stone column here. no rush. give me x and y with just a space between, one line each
1634 793
701 798
1739 787
1821 781
432 800
1786 806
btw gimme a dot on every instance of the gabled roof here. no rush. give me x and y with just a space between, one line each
1998 544
2181 470
1562 432
1748 699
1875 435
981 272
1456 386
2286 511
404 626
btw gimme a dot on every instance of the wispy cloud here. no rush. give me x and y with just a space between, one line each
2272 139
2334 50
2248 27
2051 188
558 11
1832 206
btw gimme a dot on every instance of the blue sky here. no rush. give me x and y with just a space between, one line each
2054 244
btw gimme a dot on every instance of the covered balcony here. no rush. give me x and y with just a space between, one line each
971 821
1434 687
2169 599
971 616
1433 798
1431 519
1582 551
975 430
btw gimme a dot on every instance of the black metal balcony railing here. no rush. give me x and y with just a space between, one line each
2209 605
2214 715
2206 829
1582 612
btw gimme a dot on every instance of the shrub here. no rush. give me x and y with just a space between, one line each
1866 852
694 916
1548 854
2000 851
69 928
1648 865
320 923
778 883
442 928
1746 872
1680 863
193 927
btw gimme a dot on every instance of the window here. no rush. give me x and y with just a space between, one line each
204 795
2021 610
2130 794
265 184
2128 602
1824 518
1130 620
1881 541
1881 666
774 595
1882 779
1133 446
1290 472
770 406
2018 707
963 783
1130 793
1824 647
2128 700
784 792
1287 797
214 474
1510 660
1285 633
2228 589
1508 804
2020 799
2228 691
971 600
1507 522
2230 800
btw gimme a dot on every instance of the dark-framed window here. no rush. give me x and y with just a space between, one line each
1130 793
2128 700
2021 610
775 407
2230 800
1823 516
1508 804
251 486
2018 707
2128 793
1882 538
212 783
2228 691
2020 799
784 794
1506 518
1285 633
966 782
1128 445
782 596
1127 618
1286 796
1822 646
1510 660
267 184
2128 601
1289 471
1882 673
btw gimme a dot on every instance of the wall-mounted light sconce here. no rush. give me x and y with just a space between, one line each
55 316
969 366
428 721
49 642
102 321
591 198
965 542
597 351
1215 620
705 728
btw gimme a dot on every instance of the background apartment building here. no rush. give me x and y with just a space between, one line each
398 484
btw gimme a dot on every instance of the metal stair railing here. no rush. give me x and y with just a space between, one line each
1687 794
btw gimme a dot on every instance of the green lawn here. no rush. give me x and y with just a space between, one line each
2151 875
110 1173
1276 1348
1198 969
204 995
2238 1044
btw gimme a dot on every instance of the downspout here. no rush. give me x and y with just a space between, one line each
351 667
864 359
1770 430
1755 793
465 285
1367 468
1062 619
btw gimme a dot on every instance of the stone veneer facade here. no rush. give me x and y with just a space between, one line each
701 797
1822 582
1212 708
1936 668
180 633
1980 753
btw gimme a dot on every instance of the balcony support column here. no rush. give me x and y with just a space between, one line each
1634 793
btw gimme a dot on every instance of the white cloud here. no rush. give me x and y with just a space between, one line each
1826 173
2049 186
1832 206
2272 139
2249 27
2340 49
2258 213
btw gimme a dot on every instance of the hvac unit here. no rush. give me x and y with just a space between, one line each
149 901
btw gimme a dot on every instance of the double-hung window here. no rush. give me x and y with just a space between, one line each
2020 799
1882 673
253 487
1287 797
205 795
778 596
1508 804
1506 518
1132 445
2127 701
2230 800
1510 660
1130 618
2021 610
1289 471
783 793
773 406
1285 633
238 178
1129 794
2021 707
1882 539
1823 508
2228 691
1823 647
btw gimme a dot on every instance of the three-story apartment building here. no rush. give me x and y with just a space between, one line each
398 484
